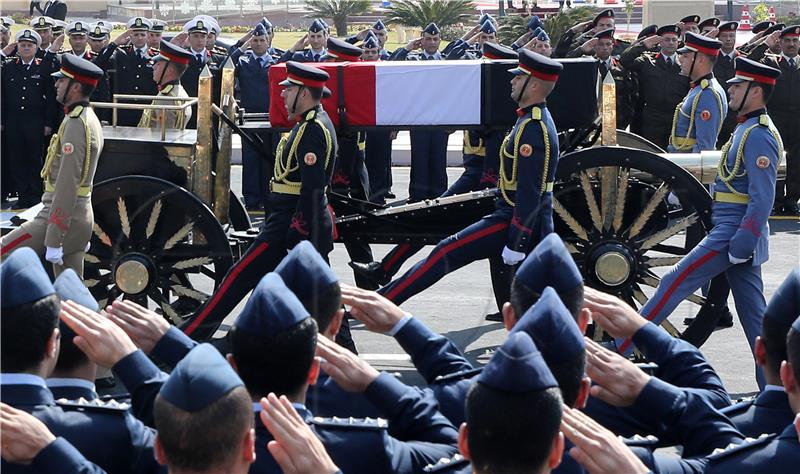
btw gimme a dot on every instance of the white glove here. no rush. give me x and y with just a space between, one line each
735 260
512 257
55 255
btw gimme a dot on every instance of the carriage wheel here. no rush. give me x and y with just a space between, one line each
156 244
627 217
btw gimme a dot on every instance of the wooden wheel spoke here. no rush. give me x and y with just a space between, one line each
661 262
591 202
648 211
571 222
622 193
664 234
671 249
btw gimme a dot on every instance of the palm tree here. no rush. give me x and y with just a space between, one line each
512 27
420 13
338 11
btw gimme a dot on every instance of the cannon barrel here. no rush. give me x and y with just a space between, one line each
703 165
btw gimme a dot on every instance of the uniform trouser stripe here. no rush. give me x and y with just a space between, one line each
441 253
674 286
14 243
229 279
396 255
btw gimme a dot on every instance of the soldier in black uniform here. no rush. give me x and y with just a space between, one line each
724 70
28 115
104 52
196 32
134 72
708 25
5 30
155 32
583 32
298 202
661 87
784 108
44 26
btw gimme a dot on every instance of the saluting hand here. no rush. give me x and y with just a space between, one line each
713 33
300 44
9 48
651 42
376 312
55 46
612 314
143 326
588 47
618 381
351 373
103 342
180 39
24 435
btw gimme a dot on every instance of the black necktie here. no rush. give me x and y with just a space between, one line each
791 62
669 61
139 53
260 62
200 58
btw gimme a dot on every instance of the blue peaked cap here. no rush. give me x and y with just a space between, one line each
550 264
23 279
517 367
271 309
551 326
200 379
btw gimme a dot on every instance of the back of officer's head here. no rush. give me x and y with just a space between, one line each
559 340
790 373
549 264
30 309
273 340
312 281
782 310
204 416
513 413
69 287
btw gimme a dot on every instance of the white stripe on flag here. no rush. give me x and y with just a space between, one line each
447 93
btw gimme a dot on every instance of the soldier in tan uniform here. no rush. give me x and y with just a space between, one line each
62 229
168 67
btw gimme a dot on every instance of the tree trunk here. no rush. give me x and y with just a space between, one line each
340 22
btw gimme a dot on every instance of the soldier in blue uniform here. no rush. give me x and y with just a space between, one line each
381 34
428 147
252 70
134 72
107 434
524 436
769 411
744 194
470 46
316 39
29 112
298 201
529 156
378 147
698 119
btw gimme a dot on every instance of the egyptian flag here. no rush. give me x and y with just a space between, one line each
399 94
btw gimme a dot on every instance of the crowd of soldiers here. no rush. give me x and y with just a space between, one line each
290 393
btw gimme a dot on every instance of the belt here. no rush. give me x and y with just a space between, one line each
683 141
83 191
284 188
731 198
548 187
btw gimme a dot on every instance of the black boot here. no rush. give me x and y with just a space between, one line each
372 271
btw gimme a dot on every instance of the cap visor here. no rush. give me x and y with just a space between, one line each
683 50
159 57
57 75
326 92
734 80
517 71
285 82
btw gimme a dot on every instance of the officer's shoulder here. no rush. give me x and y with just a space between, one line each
747 446
350 423
456 376
447 464
76 112
95 406
640 441
739 407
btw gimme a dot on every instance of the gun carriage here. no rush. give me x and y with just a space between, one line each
166 220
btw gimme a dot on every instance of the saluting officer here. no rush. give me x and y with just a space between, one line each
744 191
77 32
155 32
529 156
708 25
104 53
44 26
168 66
5 30
29 111
583 32
699 117
298 200
316 39
134 74
689 24
62 229
378 147
197 32
724 70
661 86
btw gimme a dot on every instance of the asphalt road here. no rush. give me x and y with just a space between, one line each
456 306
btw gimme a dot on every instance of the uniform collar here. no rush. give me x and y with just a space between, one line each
312 109
731 55
21 379
32 61
796 58
707 77
522 111
58 382
673 57
72 107
304 412
266 57
743 118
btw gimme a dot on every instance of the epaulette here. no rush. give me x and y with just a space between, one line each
352 423
639 441
446 463
536 113
220 50
704 83
152 51
747 444
118 397
763 119
97 404
311 115
738 407
125 46
76 112
167 89
458 375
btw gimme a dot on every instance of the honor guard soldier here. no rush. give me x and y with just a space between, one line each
252 70
661 86
197 29
155 32
381 34
134 73
44 26
724 70
699 117
29 111
63 227
77 32
708 25
428 147
769 411
744 191
104 53
784 108
298 201
528 159
168 66
59 28
689 24
316 39
470 46
104 432
583 32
